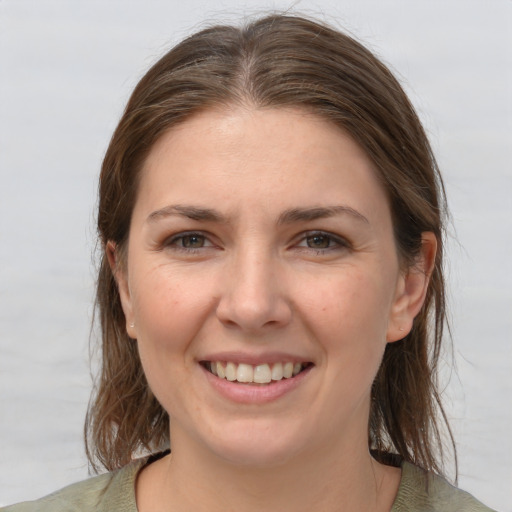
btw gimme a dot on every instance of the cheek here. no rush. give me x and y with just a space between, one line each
347 321
354 301
169 312
349 317
168 301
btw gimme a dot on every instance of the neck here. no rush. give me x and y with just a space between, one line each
330 479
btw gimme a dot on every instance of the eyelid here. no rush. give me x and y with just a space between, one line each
339 241
171 241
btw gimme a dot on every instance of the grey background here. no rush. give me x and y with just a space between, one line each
66 69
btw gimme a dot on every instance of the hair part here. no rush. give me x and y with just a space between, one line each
278 62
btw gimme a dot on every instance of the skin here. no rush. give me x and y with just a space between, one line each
261 277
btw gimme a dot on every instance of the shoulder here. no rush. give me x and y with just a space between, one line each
108 492
420 491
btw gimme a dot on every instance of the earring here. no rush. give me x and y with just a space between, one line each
132 325
400 328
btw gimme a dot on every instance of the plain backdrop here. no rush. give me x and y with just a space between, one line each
66 70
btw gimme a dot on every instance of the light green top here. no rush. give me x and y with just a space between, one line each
115 492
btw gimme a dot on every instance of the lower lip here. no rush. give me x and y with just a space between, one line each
255 393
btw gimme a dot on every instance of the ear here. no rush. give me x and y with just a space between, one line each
411 290
121 277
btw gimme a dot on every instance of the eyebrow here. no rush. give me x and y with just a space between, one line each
191 212
287 217
320 212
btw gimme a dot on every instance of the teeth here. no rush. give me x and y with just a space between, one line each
259 374
231 371
262 374
277 371
244 373
221 372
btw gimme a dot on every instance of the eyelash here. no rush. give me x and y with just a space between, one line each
175 240
334 242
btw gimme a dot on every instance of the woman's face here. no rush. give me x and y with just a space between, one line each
260 242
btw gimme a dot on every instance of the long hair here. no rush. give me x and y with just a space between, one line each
277 61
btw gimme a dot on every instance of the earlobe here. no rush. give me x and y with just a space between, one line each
412 290
120 275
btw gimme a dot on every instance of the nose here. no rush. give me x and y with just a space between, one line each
254 296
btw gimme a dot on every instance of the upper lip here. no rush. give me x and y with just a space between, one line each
255 359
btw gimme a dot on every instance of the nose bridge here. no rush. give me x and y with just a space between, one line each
254 296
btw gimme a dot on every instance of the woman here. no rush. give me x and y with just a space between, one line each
271 292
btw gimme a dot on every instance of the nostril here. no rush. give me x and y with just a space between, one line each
253 312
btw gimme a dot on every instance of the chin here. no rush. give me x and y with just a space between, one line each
263 448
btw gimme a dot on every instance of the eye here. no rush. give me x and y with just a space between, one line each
193 241
322 241
319 241
188 241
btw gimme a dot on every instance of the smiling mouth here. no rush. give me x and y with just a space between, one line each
255 374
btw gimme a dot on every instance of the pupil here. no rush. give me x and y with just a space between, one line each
192 241
318 242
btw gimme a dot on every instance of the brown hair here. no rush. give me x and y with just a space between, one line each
277 61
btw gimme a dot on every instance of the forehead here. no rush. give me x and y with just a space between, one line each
258 157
